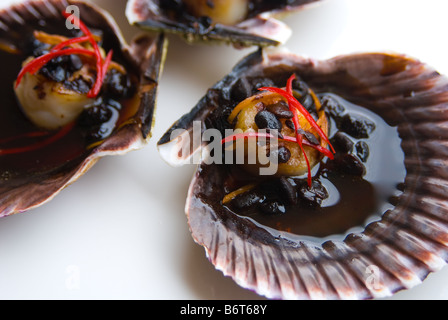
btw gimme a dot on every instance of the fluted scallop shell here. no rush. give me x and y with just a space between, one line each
145 54
397 251
262 29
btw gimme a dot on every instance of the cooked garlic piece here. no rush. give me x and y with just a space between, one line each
228 12
49 104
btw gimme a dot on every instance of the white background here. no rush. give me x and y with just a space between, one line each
120 232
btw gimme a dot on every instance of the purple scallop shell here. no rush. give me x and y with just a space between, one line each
263 29
145 54
394 253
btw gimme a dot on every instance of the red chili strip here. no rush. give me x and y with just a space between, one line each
297 127
81 25
107 63
35 134
99 63
305 142
36 64
60 134
317 147
39 62
101 66
70 42
294 106
297 105
99 75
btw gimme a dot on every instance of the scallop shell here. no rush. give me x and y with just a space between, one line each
145 53
397 251
261 30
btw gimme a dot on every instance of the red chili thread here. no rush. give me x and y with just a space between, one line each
36 64
101 66
99 61
297 105
305 142
294 106
60 134
297 127
34 134
107 63
70 42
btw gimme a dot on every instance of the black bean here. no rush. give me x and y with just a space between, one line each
313 195
241 90
58 69
288 190
59 74
357 126
40 48
61 68
260 82
93 135
78 85
272 207
280 110
75 62
349 164
342 143
267 120
300 87
246 200
309 136
100 120
281 154
290 124
284 154
95 115
118 85
54 71
362 150
308 102
332 107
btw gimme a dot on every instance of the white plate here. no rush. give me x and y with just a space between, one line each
120 231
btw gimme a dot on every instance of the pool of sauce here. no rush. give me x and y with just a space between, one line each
353 200
64 153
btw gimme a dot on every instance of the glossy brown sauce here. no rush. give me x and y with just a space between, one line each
353 201
65 152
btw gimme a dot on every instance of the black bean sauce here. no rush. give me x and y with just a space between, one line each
97 122
346 193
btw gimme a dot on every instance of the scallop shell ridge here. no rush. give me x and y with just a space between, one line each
394 253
